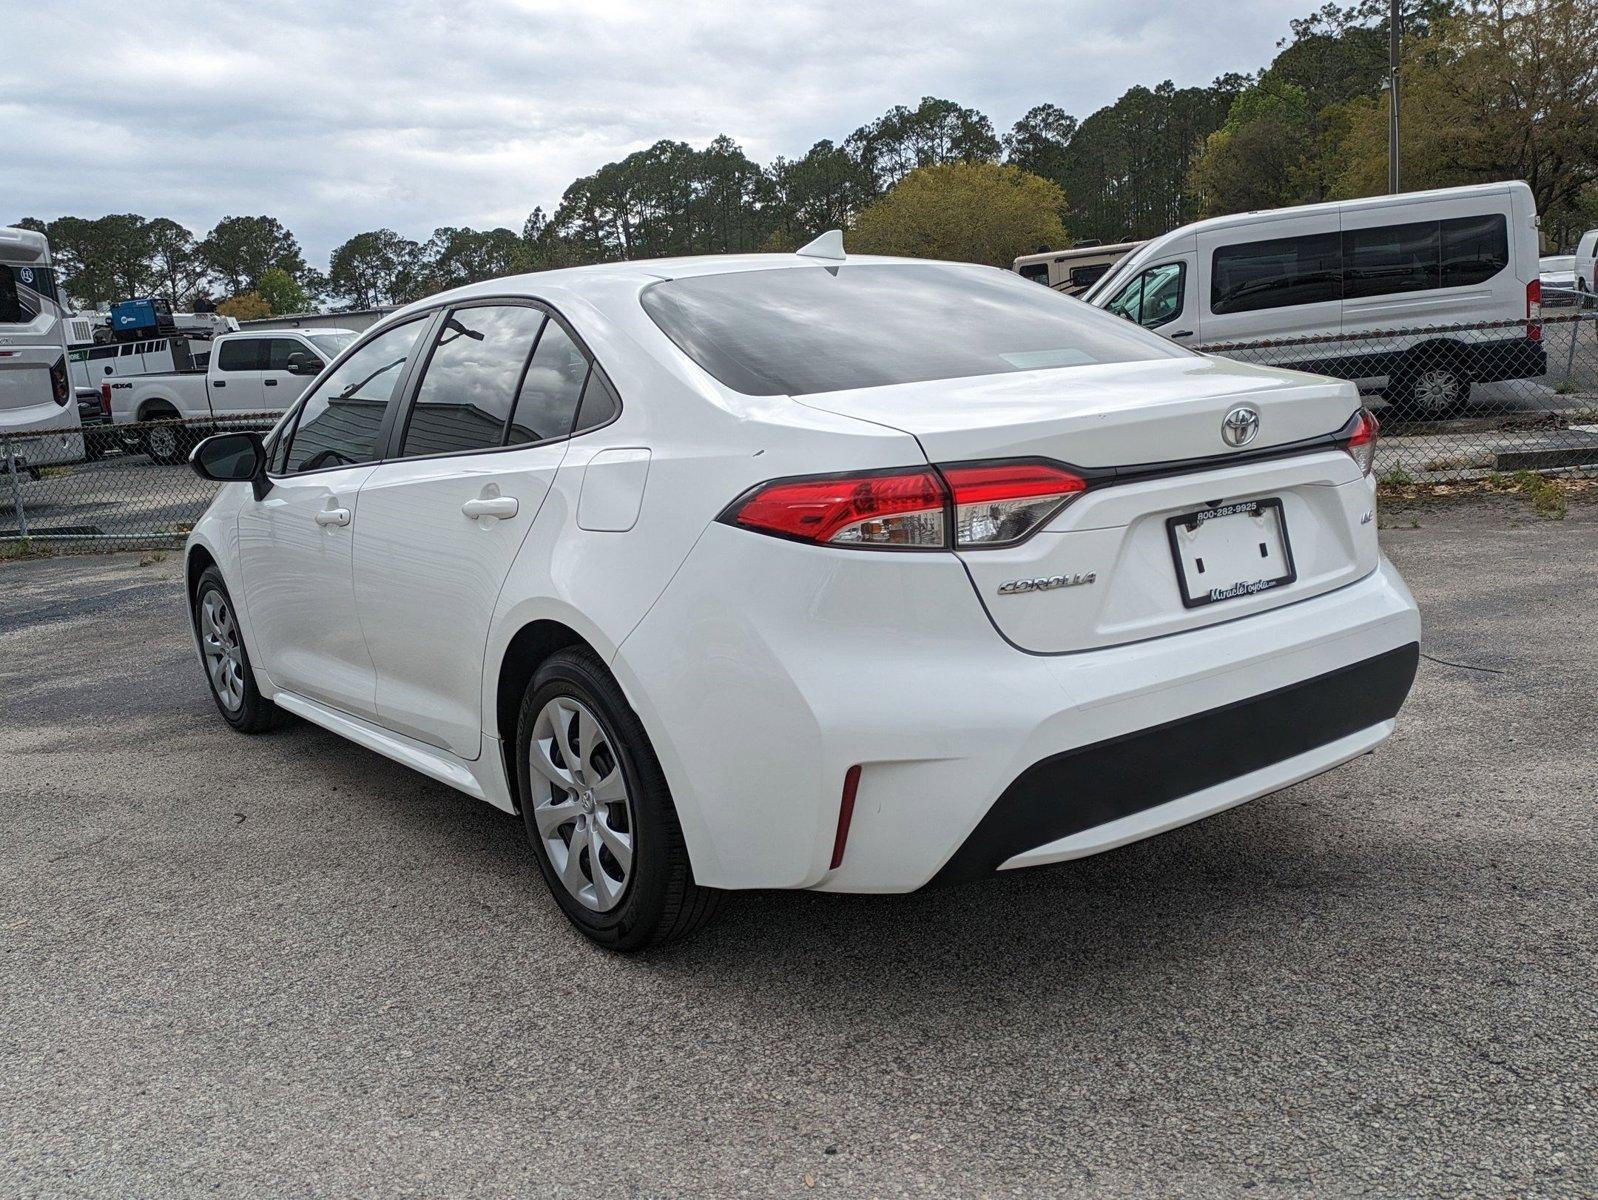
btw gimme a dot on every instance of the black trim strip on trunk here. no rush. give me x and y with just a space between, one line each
1079 789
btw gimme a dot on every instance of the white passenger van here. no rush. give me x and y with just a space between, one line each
1356 270
1075 270
1584 263
36 394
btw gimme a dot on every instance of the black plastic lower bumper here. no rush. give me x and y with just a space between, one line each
1067 793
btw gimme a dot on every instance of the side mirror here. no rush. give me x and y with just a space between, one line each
301 363
232 458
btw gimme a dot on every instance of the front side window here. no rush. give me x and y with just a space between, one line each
339 423
1153 298
242 354
470 383
546 406
279 349
800 330
1278 273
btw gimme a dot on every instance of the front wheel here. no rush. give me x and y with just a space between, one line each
227 662
598 812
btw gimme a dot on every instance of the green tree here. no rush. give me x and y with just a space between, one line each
239 250
375 268
826 189
934 132
244 306
972 212
281 292
175 263
1040 141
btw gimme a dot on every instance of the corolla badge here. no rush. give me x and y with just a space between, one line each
1015 587
1240 426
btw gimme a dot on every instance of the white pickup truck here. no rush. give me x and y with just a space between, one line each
248 375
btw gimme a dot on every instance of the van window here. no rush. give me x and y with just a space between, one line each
1390 259
1474 249
1276 273
1153 298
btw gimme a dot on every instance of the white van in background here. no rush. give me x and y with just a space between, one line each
36 394
1366 268
1585 265
1075 270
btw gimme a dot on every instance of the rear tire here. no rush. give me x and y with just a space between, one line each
166 440
598 813
1431 388
227 662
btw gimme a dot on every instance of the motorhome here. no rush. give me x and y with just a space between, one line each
1075 270
36 396
1416 296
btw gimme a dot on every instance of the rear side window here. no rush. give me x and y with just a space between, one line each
1390 259
339 423
800 330
470 383
546 405
600 403
1474 249
242 354
1276 274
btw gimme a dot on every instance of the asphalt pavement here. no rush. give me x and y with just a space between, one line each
284 966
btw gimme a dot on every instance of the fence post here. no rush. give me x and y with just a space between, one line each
16 486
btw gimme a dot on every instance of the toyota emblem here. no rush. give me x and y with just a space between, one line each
1240 427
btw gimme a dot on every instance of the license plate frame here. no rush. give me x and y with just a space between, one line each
1241 588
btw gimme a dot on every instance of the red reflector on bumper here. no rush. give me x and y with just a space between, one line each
851 783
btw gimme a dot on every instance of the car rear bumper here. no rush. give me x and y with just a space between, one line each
763 675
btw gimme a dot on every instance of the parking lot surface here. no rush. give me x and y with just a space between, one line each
283 965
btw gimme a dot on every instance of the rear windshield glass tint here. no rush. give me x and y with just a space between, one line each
800 330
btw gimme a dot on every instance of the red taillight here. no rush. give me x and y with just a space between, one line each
994 504
1361 444
902 509
1534 310
999 503
105 400
851 784
60 382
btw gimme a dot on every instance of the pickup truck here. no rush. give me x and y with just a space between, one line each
249 377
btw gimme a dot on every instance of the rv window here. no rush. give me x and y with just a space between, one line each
1036 272
1276 274
1086 277
1474 249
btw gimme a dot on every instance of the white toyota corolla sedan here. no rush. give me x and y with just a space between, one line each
805 571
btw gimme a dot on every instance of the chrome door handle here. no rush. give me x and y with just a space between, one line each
491 506
333 516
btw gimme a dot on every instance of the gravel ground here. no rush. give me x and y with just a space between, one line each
284 966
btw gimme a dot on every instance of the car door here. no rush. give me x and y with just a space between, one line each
442 520
280 387
296 544
237 365
1161 297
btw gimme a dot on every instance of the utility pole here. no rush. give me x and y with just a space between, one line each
1394 31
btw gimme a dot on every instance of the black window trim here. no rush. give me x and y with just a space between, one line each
390 433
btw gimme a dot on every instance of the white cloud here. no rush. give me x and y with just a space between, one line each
340 118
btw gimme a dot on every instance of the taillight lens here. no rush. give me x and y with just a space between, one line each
999 503
59 383
1361 444
1534 310
898 509
105 400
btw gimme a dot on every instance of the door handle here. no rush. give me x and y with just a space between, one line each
1182 333
491 506
220 383
333 516
270 382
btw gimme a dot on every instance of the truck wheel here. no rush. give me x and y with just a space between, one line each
166 441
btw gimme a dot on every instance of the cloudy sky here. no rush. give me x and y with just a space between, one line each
340 117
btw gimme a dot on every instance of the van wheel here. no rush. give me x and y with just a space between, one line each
1429 390
166 441
598 812
227 662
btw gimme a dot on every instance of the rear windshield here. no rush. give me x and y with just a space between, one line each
25 292
800 330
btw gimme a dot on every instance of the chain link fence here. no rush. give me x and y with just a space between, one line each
1456 402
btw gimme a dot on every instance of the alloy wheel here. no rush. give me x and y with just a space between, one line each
581 805
224 651
163 442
